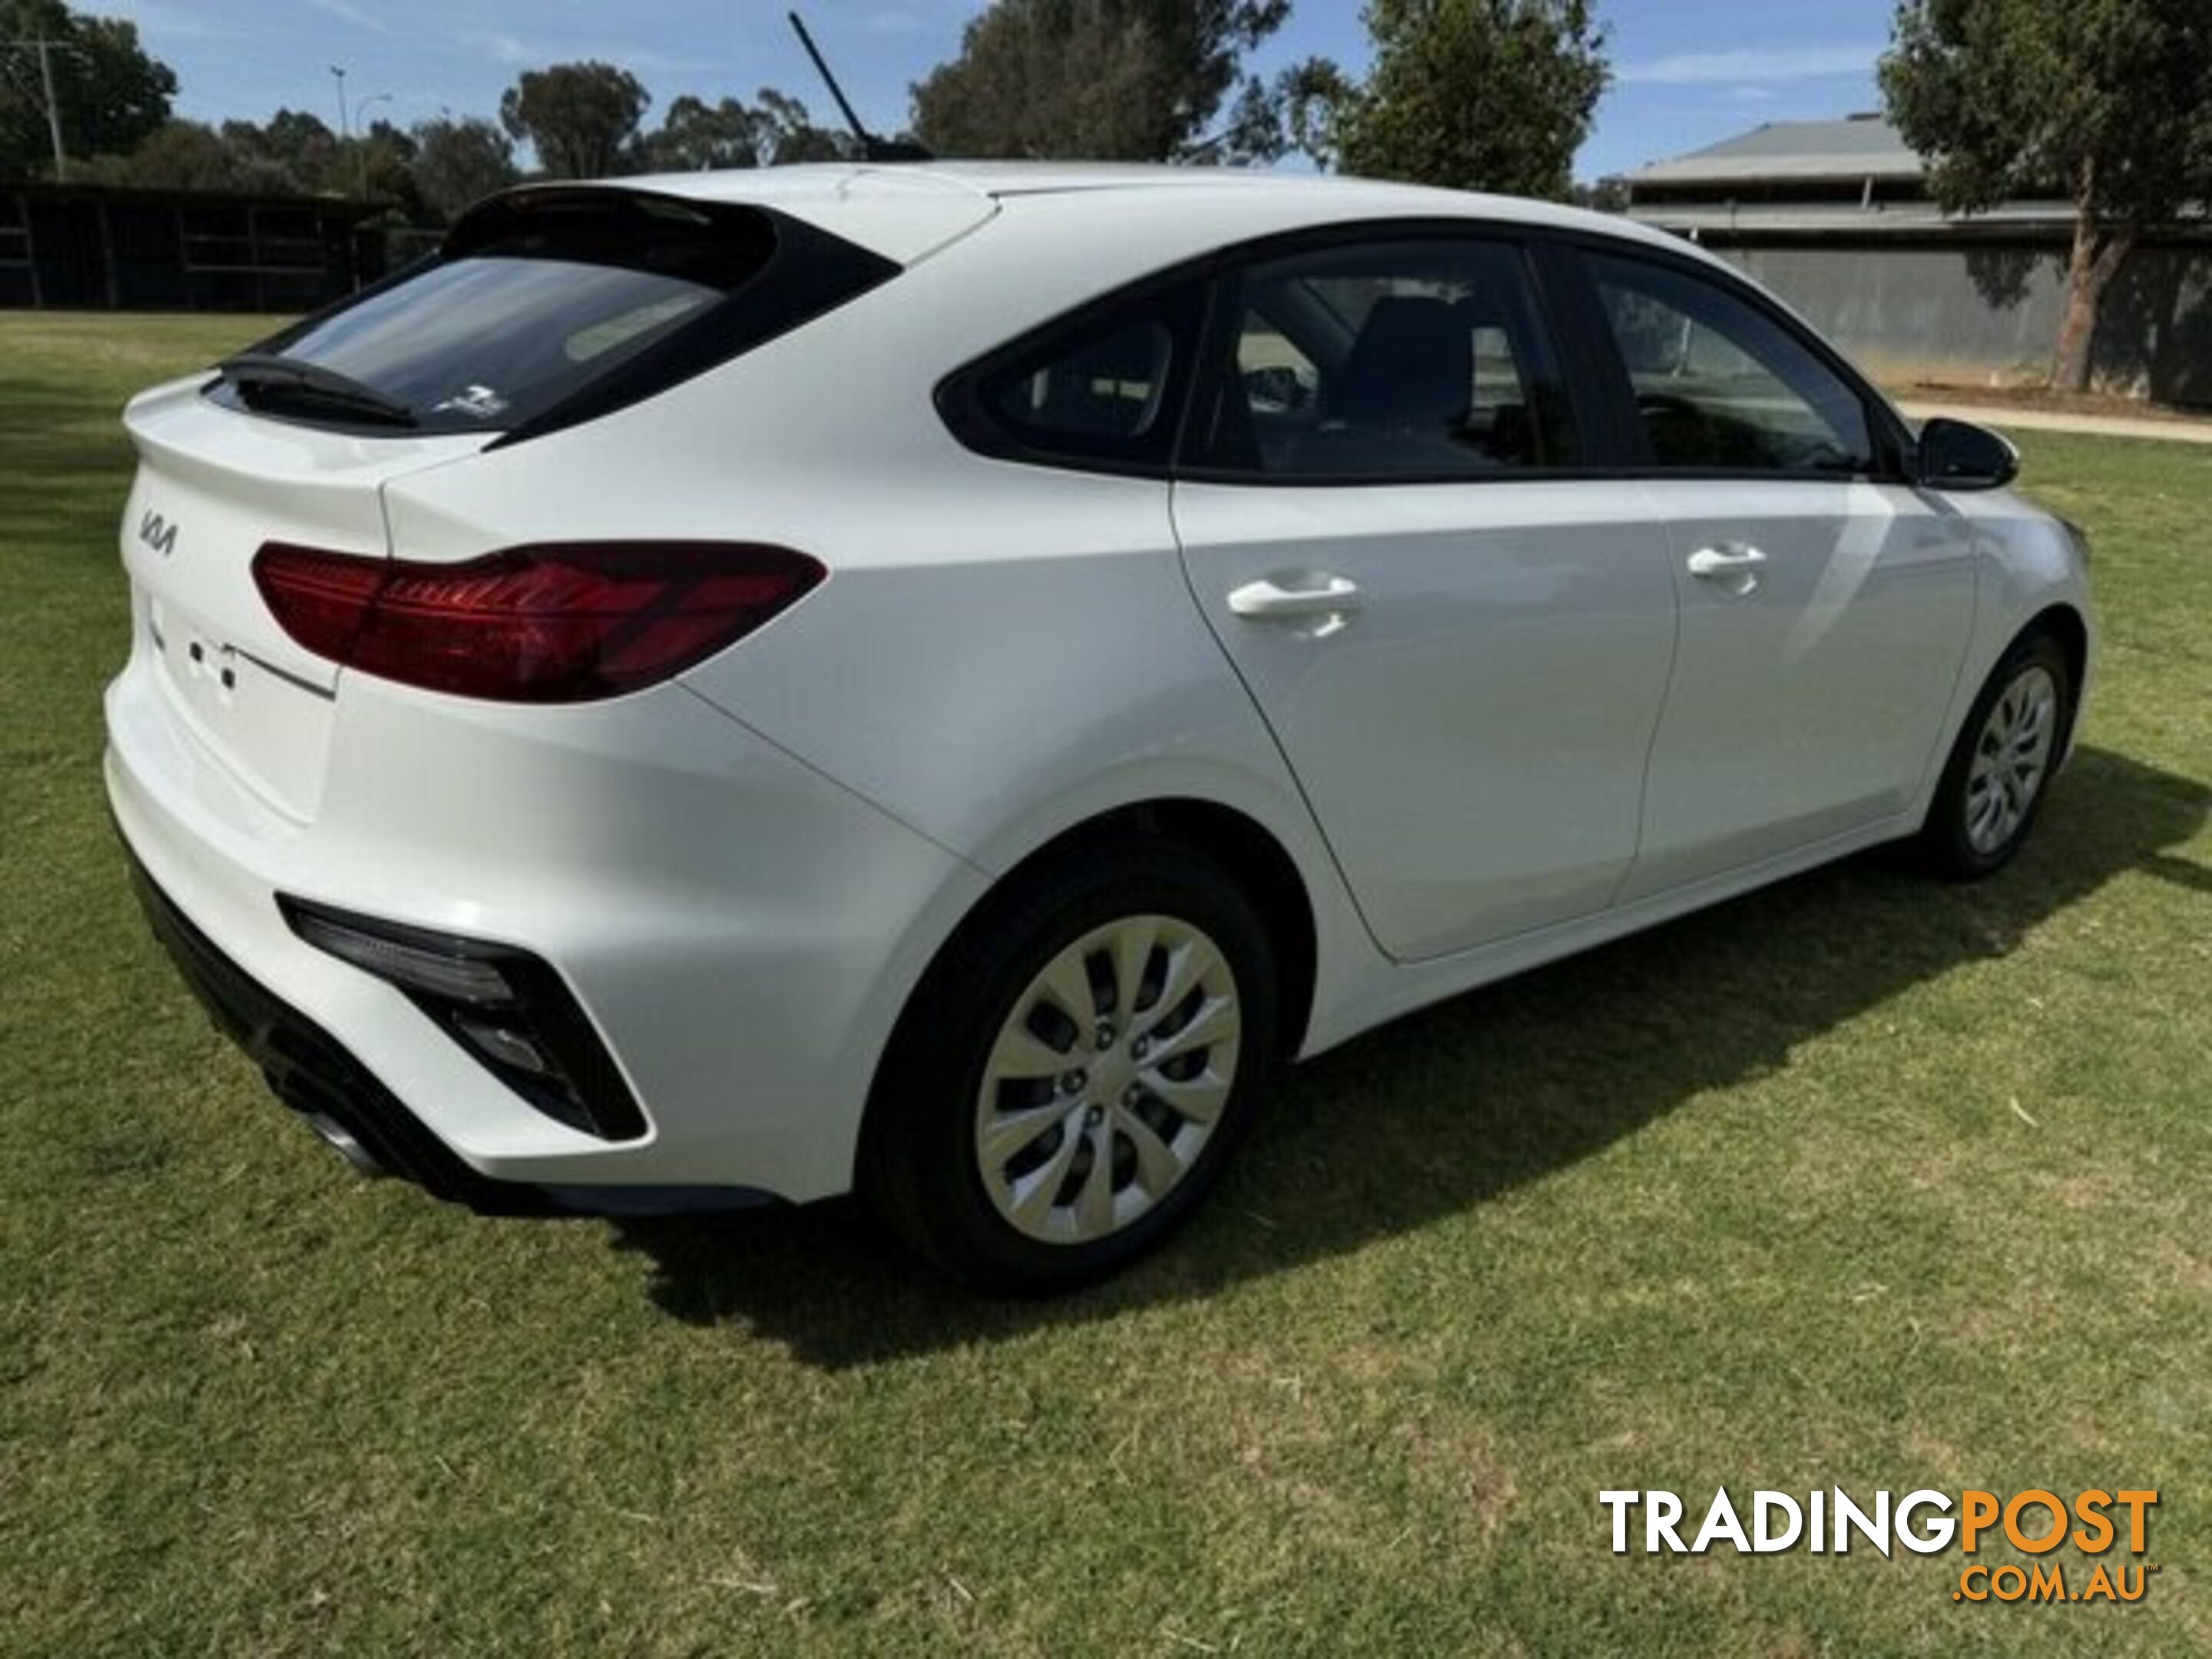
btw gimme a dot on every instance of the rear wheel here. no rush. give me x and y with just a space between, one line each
1072 1075
2000 769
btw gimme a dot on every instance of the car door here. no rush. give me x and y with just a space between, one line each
1826 605
1460 642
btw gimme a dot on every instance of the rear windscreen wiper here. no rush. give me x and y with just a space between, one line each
262 375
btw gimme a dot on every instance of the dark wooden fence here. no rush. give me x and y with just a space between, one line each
90 248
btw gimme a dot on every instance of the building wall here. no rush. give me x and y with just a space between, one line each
1987 314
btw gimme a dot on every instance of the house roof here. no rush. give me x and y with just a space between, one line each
1859 147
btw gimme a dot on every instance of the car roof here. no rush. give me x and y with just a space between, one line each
906 210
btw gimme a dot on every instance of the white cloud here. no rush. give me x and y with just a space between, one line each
345 11
500 48
1750 64
654 63
515 52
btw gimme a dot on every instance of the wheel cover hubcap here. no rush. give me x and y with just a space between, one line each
2010 759
1107 1080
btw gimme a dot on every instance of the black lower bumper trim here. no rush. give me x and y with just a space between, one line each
311 1072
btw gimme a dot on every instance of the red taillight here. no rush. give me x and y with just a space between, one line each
555 622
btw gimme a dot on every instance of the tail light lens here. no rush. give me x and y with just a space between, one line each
552 623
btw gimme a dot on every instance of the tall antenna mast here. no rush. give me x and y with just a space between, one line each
873 148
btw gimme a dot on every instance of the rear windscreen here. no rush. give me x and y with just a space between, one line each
553 300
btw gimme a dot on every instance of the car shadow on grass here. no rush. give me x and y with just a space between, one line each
1447 1108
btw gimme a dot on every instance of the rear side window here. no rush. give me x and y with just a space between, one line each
549 306
1104 389
1111 386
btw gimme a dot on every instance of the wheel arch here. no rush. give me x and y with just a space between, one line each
1257 862
2064 623
1249 852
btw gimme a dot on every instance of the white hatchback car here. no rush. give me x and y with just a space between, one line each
931 679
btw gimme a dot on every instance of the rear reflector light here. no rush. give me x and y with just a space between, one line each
552 623
510 1010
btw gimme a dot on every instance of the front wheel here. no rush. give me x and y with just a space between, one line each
1999 770
1072 1075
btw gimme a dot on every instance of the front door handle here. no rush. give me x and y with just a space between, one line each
1319 595
1730 561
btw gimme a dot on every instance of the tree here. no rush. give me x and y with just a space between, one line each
1110 79
695 135
379 165
789 134
182 155
579 116
292 155
1471 95
293 151
459 162
110 94
2105 100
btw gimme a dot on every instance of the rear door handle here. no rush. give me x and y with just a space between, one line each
1320 595
1729 560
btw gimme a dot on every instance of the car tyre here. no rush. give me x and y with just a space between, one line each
1995 783
1029 1132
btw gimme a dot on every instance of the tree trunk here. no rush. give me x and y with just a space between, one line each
2097 253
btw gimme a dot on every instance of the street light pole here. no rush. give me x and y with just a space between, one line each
345 125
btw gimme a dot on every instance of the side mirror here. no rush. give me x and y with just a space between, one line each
1959 455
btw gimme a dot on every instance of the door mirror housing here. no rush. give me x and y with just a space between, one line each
1959 455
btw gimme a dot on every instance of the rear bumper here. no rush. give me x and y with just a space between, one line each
739 932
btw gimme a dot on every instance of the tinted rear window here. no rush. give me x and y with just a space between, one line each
539 301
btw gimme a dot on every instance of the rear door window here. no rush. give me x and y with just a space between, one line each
538 298
1416 359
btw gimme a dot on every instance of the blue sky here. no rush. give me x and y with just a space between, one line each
1686 72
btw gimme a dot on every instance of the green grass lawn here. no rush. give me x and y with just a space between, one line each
1861 1181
